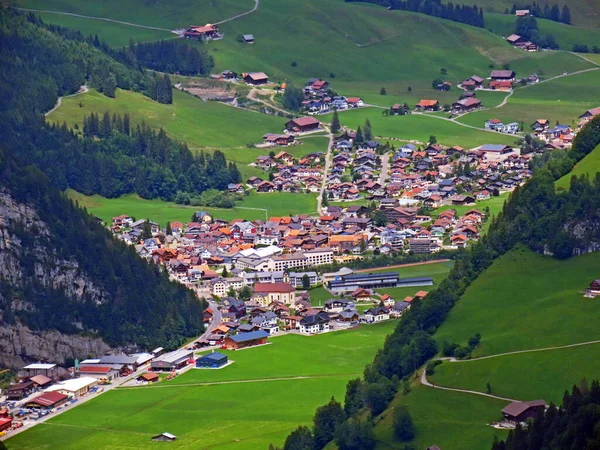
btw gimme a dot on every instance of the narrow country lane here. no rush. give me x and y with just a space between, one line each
425 382
328 159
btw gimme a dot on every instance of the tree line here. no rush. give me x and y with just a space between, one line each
527 28
575 424
554 12
535 215
462 13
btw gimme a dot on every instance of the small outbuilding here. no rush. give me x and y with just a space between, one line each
149 377
248 38
212 360
164 437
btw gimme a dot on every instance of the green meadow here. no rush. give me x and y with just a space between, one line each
235 415
563 99
420 127
526 301
590 166
251 208
450 420
199 124
495 205
524 376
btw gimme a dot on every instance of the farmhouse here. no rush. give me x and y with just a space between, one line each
590 113
244 340
593 289
335 305
47 400
428 105
303 125
212 360
466 104
501 85
208 31
278 139
172 361
248 38
520 411
515 39
255 78
503 75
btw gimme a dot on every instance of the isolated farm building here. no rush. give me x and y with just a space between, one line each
245 340
164 437
172 361
466 104
515 39
428 105
248 38
303 124
433 447
499 149
503 75
521 411
256 78
47 400
228 74
212 360
593 289
208 31
149 377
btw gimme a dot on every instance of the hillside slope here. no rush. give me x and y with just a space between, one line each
588 166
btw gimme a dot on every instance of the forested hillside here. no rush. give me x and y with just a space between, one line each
60 270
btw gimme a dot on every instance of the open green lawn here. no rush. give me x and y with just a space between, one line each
525 376
420 127
565 35
450 420
230 416
319 295
199 124
494 204
277 203
526 301
563 99
590 165
437 271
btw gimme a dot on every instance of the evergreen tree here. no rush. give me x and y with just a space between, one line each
354 400
224 273
327 418
335 123
355 434
305 282
368 133
146 230
299 439
168 90
383 91
292 97
566 15
404 428
324 200
359 138
110 85
105 127
555 13
126 125
168 229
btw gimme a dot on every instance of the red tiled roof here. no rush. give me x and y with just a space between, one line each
273 287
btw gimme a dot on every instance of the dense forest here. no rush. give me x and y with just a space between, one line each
41 62
138 303
536 215
573 425
462 13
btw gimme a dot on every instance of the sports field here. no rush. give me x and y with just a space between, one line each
276 203
238 415
526 301
590 166
561 100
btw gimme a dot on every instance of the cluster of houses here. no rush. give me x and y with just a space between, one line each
520 42
499 80
320 99
288 174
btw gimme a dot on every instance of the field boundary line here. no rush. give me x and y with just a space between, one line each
256 380
534 350
105 19
400 266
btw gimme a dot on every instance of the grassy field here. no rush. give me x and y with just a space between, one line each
590 165
563 100
437 271
319 295
565 35
526 301
277 203
230 416
525 376
420 127
199 124
450 420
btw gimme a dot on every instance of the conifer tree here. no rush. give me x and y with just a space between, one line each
359 139
335 123
368 133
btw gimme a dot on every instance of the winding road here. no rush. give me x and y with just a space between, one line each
425 382
240 15
328 159
82 90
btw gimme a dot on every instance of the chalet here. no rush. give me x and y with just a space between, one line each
498 149
361 295
503 75
593 289
208 31
355 102
515 39
493 124
501 85
398 309
466 104
278 139
248 38
463 199
428 105
511 128
303 125
472 83
285 157
377 314
265 186
336 305
19 390
148 377
541 125
590 113
256 78
122 221
314 323
521 411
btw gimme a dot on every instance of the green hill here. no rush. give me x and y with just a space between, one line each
590 166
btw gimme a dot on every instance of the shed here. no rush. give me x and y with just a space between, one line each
164 437
212 360
248 38
150 377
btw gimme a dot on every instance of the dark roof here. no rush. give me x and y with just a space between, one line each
416 279
515 409
216 356
245 337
